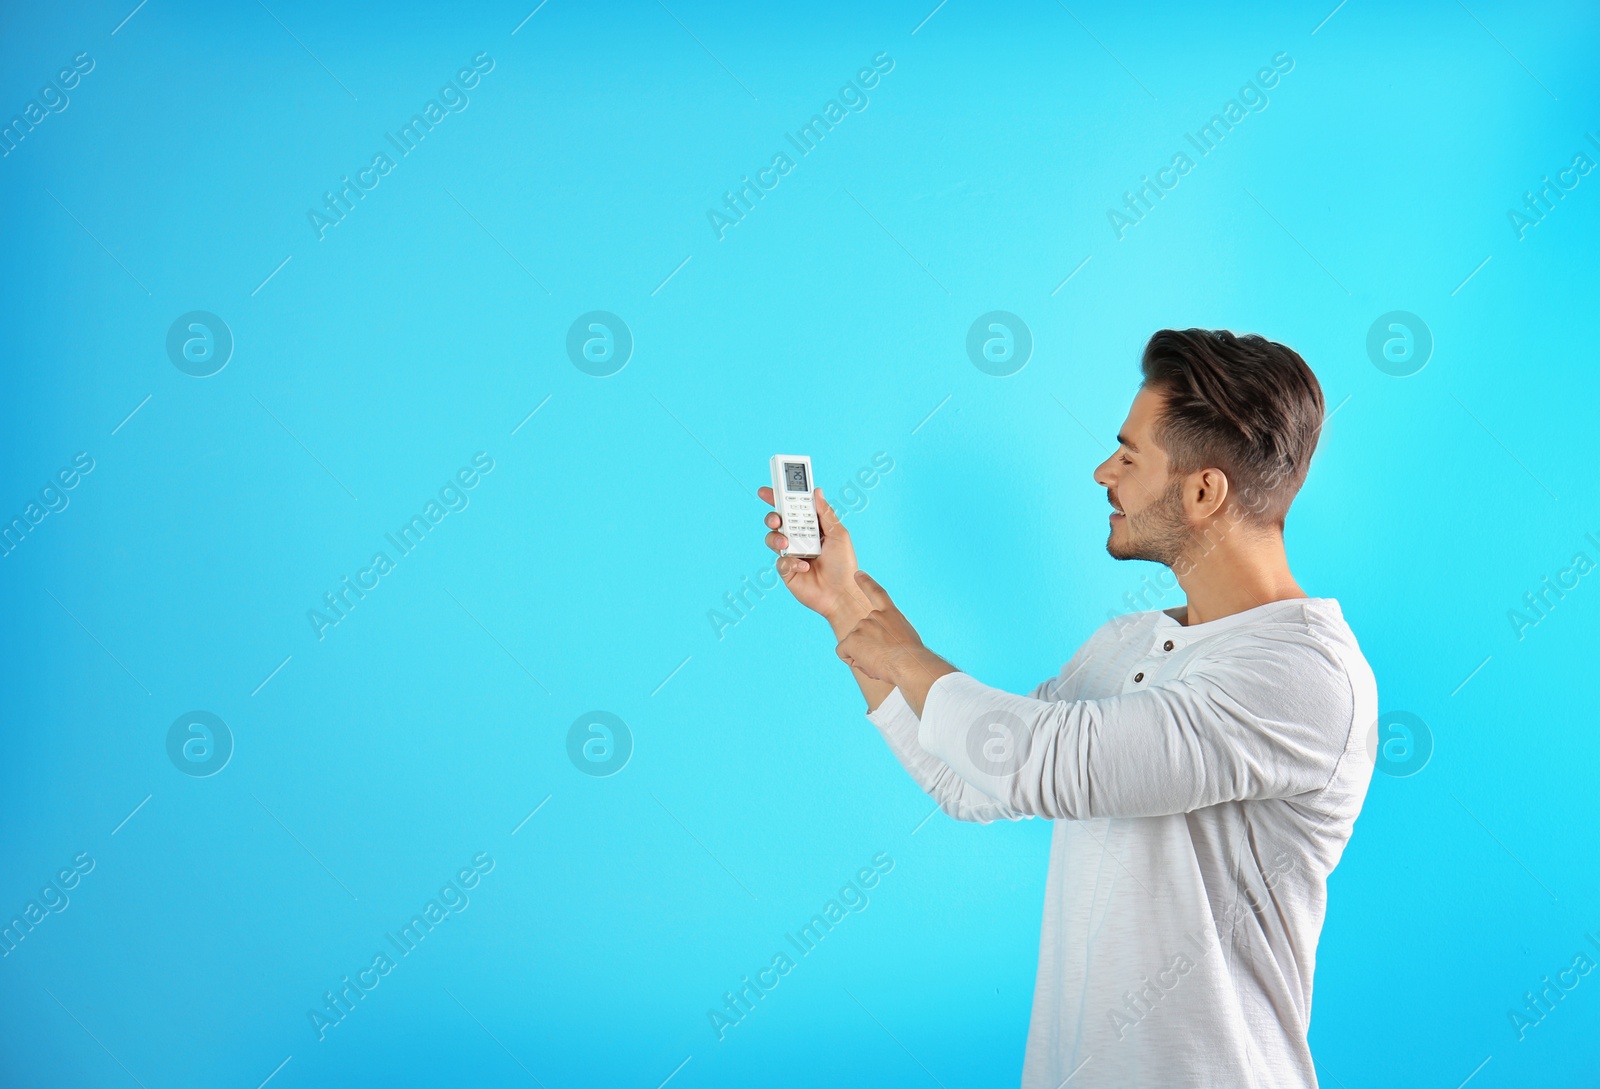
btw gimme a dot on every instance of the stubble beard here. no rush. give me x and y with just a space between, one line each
1158 533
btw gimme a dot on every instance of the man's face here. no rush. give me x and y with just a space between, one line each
1151 524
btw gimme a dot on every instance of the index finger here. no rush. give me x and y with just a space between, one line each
765 494
875 593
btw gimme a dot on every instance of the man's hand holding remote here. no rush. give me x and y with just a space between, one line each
829 586
824 584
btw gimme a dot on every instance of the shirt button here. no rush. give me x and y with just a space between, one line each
1137 677
1167 645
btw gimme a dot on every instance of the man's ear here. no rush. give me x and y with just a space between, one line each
1205 493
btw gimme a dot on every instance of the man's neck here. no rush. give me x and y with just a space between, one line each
1231 571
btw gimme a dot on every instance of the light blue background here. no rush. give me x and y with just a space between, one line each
380 359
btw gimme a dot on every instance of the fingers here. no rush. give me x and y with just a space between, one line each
765 494
849 645
875 593
862 648
790 566
775 541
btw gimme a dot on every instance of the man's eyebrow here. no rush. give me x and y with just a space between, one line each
1125 441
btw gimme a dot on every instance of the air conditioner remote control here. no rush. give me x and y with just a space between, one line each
791 497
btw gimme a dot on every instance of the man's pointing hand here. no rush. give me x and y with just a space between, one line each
885 646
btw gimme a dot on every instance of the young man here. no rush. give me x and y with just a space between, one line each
1204 764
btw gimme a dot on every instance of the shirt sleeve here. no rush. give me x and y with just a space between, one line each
898 724
1268 717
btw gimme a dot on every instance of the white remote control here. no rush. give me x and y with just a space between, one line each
791 497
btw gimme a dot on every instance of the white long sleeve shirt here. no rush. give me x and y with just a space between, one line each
1204 780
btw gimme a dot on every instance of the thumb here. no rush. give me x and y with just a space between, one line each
828 518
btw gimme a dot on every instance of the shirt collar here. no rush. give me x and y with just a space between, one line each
1165 622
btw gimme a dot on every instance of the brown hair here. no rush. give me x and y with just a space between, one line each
1242 404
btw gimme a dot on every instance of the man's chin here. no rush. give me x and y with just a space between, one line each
1124 551
1118 551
